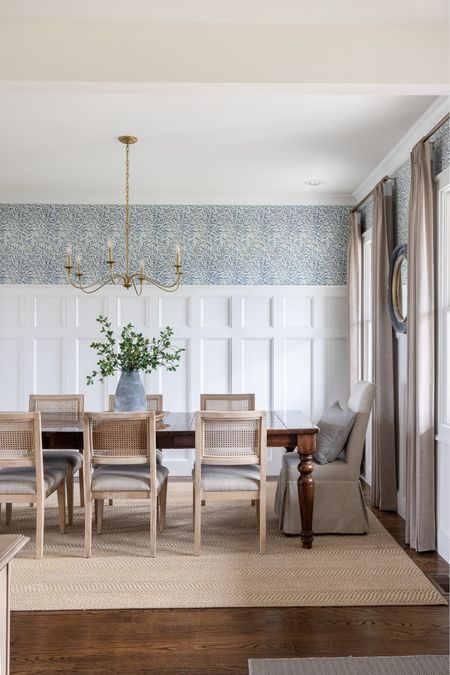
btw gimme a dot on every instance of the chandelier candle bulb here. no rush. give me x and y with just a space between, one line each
110 252
79 272
69 257
177 255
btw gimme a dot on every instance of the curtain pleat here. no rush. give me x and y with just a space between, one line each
420 446
384 476
354 299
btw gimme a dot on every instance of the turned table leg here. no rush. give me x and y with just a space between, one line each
306 446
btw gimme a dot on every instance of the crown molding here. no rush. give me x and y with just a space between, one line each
229 88
401 152
294 199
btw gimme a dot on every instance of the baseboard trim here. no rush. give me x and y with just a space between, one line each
443 545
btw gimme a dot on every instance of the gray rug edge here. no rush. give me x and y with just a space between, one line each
345 665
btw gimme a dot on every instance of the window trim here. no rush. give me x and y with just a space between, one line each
442 182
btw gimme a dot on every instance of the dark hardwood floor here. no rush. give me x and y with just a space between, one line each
220 641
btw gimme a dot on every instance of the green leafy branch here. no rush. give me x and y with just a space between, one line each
135 352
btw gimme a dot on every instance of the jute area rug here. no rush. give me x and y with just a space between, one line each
337 571
361 665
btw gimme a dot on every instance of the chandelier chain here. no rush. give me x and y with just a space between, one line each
127 201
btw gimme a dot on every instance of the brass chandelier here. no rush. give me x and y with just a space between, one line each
126 278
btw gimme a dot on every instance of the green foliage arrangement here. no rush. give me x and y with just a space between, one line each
135 352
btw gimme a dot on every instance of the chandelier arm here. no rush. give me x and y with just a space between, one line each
137 290
96 285
162 287
113 275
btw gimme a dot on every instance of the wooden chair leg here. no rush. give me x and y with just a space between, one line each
257 513
62 507
153 519
111 502
81 479
40 528
69 488
99 512
162 506
197 523
88 528
262 521
8 514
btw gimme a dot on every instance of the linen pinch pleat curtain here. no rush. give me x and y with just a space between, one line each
420 446
354 299
384 475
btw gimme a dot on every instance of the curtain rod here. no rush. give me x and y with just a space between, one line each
422 140
364 199
435 128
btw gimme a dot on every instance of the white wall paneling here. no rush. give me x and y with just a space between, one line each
11 311
287 344
11 369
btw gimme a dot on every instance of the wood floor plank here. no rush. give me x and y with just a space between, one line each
220 641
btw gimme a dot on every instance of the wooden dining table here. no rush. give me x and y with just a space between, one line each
288 429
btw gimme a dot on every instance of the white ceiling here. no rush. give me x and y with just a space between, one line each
195 145
303 11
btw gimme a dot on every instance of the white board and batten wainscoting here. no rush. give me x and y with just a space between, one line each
287 344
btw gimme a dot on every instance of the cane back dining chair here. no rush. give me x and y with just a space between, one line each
120 462
67 406
155 403
23 475
227 402
230 463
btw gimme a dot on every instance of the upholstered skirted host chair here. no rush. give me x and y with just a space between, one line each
23 476
67 405
230 464
339 505
120 462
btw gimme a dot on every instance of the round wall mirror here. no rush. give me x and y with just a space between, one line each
398 288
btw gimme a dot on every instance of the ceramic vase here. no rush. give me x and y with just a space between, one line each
130 393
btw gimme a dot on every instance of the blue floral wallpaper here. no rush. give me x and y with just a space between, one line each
273 245
402 184
304 245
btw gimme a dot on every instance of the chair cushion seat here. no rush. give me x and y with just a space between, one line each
22 480
230 478
337 470
126 477
63 459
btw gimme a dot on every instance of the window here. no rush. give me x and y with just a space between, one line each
443 307
367 339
